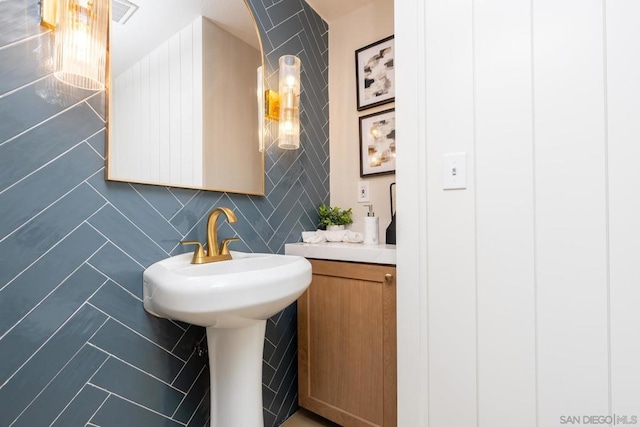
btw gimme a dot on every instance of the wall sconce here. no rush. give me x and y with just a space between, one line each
261 109
284 106
80 55
289 127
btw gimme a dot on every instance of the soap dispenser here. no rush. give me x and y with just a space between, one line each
370 227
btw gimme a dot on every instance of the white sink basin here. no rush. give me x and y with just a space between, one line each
232 299
225 294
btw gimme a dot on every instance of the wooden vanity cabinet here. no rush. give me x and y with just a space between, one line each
347 344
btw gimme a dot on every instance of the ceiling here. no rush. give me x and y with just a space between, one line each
334 9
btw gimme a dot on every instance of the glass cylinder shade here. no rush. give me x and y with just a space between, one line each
260 85
81 43
289 88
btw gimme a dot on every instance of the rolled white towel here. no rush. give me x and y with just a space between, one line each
313 237
352 237
333 235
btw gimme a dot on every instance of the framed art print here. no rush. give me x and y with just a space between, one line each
378 143
375 77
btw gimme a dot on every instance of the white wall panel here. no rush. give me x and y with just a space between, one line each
175 110
623 88
198 103
164 125
412 267
504 211
158 112
147 148
186 102
154 116
571 223
451 275
554 217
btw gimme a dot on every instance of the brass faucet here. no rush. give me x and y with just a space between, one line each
215 252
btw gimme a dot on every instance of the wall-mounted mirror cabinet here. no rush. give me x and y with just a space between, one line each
183 105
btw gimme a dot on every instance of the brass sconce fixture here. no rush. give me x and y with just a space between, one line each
80 26
48 12
284 105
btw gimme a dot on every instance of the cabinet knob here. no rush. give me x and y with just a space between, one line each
388 277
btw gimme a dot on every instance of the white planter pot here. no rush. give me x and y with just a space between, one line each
335 227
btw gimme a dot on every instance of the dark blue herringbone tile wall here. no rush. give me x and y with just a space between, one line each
76 346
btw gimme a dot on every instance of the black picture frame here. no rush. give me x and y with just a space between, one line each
378 143
375 74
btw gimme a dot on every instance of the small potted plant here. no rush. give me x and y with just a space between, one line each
334 218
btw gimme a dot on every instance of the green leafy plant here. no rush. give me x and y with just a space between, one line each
334 216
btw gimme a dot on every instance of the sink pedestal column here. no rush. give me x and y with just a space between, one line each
235 365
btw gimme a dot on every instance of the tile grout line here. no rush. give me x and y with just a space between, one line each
19 88
283 43
154 208
42 256
175 322
109 279
201 400
133 403
26 39
109 240
94 110
293 405
182 369
68 404
289 389
56 376
103 402
51 292
130 329
127 218
291 165
174 196
289 344
86 221
180 339
91 147
113 356
42 167
284 196
69 108
45 343
204 215
187 393
248 222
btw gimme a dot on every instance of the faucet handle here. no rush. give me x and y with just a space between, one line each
198 254
224 250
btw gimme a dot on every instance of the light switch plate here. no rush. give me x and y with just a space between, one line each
454 172
363 191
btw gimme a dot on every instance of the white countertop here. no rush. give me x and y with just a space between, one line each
356 252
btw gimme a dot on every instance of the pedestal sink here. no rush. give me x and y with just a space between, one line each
232 299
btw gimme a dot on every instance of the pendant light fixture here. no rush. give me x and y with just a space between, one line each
81 43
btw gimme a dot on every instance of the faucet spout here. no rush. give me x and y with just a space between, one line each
213 247
215 252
